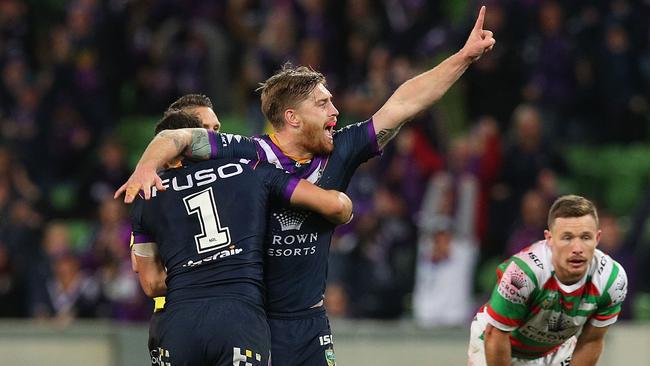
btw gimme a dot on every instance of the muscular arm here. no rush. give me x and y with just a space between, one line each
167 145
590 346
151 274
497 347
425 89
335 206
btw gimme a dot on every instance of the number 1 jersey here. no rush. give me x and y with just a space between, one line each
209 225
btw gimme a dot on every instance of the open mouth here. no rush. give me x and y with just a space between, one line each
329 130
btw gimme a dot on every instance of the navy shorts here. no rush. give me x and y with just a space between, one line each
216 331
154 337
301 339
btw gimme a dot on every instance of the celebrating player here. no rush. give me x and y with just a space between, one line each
199 242
201 107
555 299
299 106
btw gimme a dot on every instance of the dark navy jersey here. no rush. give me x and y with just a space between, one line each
209 225
298 241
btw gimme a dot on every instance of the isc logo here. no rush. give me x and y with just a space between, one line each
326 339
200 177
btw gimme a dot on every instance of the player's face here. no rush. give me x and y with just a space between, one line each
318 116
572 241
208 118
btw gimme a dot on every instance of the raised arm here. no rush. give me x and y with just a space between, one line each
167 145
420 92
335 206
590 346
497 347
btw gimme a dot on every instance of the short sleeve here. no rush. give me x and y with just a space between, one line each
226 145
280 183
508 305
357 142
138 232
610 304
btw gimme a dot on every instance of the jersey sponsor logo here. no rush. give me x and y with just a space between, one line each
295 239
291 219
245 357
281 241
330 358
291 252
226 138
543 336
602 264
326 339
160 356
232 250
514 285
533 257
619 290
200 178
557 322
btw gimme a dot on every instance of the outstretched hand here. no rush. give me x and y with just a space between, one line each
142 179
479 40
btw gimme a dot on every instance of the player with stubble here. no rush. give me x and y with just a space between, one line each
554 300
200 243
297 103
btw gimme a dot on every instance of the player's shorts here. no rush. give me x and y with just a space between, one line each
154 333
302 339
215 331
476 351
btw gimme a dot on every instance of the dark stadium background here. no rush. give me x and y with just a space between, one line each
559 106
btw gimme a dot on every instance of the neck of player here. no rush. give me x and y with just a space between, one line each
290 144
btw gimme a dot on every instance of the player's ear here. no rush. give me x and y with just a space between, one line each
291 117
548 236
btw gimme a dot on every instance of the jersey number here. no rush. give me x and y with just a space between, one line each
212 236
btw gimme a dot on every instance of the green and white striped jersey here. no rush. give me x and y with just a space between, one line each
540 312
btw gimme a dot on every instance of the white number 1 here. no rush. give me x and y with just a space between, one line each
212 236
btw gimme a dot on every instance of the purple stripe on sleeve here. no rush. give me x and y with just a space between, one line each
291 186
212 137
372 135
261 155
142 238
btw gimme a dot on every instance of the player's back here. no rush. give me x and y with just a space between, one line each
209 225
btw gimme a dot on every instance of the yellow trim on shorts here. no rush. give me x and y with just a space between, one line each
158 303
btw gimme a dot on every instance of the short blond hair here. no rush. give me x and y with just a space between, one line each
285 89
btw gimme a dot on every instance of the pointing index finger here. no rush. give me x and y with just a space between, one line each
479 20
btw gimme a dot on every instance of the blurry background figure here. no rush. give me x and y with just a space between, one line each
531 222
447 252
60 291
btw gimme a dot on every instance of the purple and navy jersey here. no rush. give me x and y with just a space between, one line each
209 225
298 241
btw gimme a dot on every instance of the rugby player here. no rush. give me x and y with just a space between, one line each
554 300
199 243
299 106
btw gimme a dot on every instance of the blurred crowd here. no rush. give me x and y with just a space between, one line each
461 188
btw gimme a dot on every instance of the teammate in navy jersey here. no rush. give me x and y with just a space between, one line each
200 106
200 243
299 106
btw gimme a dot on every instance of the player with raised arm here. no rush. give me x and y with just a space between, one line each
299 106
199 242
553 300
